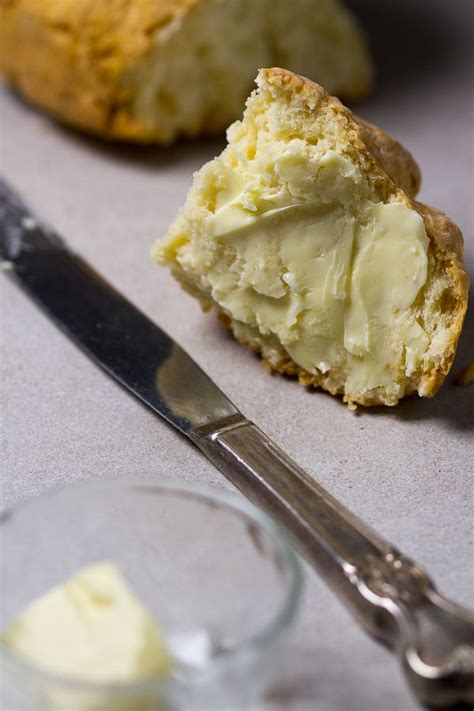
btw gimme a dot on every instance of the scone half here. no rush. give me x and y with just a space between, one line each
305 235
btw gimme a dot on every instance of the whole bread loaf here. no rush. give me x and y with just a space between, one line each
152 70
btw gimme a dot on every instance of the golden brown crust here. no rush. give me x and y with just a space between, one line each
388 163
447 249
394 159
68 56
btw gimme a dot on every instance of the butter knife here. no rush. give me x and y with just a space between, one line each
391 596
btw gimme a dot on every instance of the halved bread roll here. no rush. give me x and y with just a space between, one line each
305 236
152 70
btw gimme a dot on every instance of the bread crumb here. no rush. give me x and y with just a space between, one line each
465 376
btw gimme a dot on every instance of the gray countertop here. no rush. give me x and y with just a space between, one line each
407 471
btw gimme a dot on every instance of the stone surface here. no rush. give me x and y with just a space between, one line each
406 471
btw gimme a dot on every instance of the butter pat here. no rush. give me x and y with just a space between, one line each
92 628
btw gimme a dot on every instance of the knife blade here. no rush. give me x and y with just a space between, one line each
106 326
392 597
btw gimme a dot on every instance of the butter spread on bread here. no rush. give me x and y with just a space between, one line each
305 236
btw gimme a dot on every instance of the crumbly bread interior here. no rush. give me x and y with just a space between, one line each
300 235
200 70
153 70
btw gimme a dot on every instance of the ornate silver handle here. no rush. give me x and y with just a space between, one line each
392 597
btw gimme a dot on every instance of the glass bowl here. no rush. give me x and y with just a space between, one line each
221 580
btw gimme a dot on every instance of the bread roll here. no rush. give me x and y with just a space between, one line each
153 70
305 235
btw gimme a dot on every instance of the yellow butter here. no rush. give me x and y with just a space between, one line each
92 628
328 285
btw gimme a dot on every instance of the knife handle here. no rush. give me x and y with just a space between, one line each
392 597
